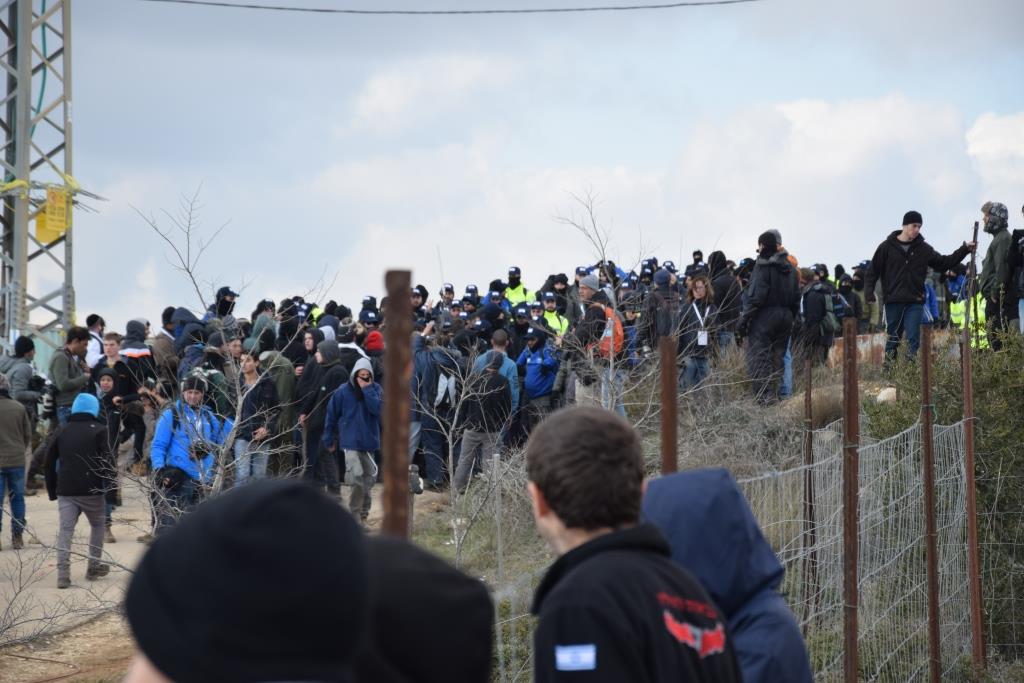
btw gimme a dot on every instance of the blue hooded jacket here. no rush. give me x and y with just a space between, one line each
171 439
354 414
541 366
714 535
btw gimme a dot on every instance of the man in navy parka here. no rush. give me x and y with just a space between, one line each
714 536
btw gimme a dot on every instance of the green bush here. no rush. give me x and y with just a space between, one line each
998 383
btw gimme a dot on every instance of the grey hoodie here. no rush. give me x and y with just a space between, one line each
361 364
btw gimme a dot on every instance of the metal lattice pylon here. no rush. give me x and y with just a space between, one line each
35 130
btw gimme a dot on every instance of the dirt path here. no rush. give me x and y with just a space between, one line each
97 651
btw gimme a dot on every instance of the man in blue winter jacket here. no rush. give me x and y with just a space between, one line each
353 424
540 363
184 439
713 535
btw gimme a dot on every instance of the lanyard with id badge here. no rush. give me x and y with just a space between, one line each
702 333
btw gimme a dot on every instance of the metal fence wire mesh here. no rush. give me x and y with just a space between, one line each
892 579
892 574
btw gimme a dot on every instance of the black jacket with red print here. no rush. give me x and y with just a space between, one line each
618 609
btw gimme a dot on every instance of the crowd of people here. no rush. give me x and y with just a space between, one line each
218 401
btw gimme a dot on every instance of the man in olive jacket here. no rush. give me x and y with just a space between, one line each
997 275
15 440
68 371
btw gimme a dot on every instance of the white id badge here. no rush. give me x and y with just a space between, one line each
702 338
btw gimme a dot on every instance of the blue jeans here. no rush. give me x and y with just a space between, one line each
786 389
900 320
694 371
428 433
250 461
171 505
13 479
725 340
63 413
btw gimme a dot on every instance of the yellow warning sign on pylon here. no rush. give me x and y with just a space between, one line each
55 218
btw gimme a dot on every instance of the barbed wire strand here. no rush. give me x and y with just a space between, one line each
454 12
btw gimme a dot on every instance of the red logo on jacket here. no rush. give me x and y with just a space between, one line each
704 641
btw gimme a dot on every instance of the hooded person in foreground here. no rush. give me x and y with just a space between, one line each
714 535
246 590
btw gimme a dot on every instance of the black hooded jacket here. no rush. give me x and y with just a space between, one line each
86 465
660 625
773 284
728 292
330 375
902 268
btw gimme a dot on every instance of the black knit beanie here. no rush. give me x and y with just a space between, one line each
23 345
911 217
264 583
419 606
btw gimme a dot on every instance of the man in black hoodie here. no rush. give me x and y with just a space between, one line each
901 262
322 468
585 474
773 300
80 474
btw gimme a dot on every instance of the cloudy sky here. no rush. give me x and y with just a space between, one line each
336 147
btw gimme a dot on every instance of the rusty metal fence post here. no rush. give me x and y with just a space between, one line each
810 573
973 547
397 376
669 408
931 530
851 481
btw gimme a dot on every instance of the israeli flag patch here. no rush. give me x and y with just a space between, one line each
576 657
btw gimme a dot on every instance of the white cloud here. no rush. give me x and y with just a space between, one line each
996 146
414 90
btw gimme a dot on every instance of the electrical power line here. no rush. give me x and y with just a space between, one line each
401 12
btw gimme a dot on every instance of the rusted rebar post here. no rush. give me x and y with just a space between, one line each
669 408
851 479
810 576
973 546
931 528
397 376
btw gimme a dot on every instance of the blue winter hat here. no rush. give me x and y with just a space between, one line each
86 403
662 277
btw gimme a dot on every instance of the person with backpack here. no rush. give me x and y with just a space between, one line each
185 437
598 342
772 301
817 323
487 407
697 332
